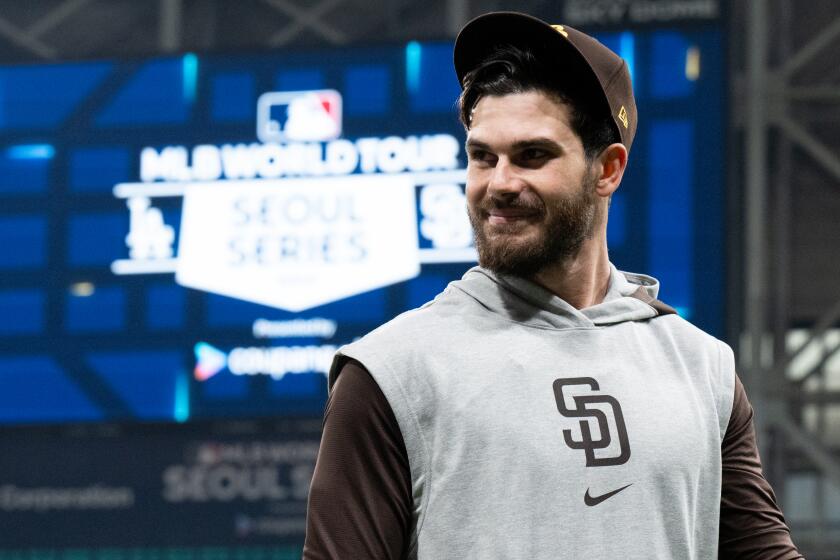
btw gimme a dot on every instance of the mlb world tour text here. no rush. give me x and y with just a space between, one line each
392 154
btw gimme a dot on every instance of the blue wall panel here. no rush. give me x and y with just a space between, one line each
233 97
302 79
102 311
155 94
23 175
165 307
36 389
21 311
146 381
97 239
40 97
23 242
430 80
668 66
99 169
671 220
367 90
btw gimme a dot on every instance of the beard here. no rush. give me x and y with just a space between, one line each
564 223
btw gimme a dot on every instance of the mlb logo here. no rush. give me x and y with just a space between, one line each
303 116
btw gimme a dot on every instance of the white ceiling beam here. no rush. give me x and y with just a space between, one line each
822 154
811 49
457 12
30 38
306 18
26 40
55 16
169 25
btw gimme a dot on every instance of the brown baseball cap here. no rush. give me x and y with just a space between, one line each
584 58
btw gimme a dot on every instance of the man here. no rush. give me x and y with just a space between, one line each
546 405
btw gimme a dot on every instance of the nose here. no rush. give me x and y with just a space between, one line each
504 181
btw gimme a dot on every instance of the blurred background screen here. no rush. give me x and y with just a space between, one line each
186 240
192 237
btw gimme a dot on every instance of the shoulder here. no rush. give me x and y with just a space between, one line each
409 334
697 349
425 320
681 332
708 361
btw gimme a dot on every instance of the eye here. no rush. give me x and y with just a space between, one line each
533 157
480 156
530 154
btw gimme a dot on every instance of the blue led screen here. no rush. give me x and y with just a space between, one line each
119 289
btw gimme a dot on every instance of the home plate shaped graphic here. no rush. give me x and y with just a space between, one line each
298 243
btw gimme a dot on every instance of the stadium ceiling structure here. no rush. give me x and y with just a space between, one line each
785 120
784 171
80 29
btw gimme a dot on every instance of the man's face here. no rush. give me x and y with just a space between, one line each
530 192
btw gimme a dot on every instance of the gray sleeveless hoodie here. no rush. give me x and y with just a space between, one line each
538 431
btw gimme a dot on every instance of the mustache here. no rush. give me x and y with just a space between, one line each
518 202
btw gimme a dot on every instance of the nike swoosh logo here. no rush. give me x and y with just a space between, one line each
595 500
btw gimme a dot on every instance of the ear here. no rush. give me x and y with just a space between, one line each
610 167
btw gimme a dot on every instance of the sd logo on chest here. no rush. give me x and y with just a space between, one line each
585 410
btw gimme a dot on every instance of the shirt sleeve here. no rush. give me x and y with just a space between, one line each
751 523
360 499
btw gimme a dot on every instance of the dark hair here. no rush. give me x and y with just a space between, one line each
511 69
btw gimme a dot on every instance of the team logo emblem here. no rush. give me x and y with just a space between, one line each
302 116
561 30
592 407
622 116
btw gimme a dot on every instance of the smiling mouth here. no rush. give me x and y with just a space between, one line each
509 216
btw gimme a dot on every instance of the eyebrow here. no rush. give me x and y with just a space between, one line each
539 142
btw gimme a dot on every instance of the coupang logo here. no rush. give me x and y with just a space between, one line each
301 218
208 361
274 361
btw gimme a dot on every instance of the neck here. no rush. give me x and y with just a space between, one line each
581 280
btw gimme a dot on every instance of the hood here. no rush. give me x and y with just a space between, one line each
628 299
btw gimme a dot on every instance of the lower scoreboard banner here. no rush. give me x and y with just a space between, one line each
241 484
